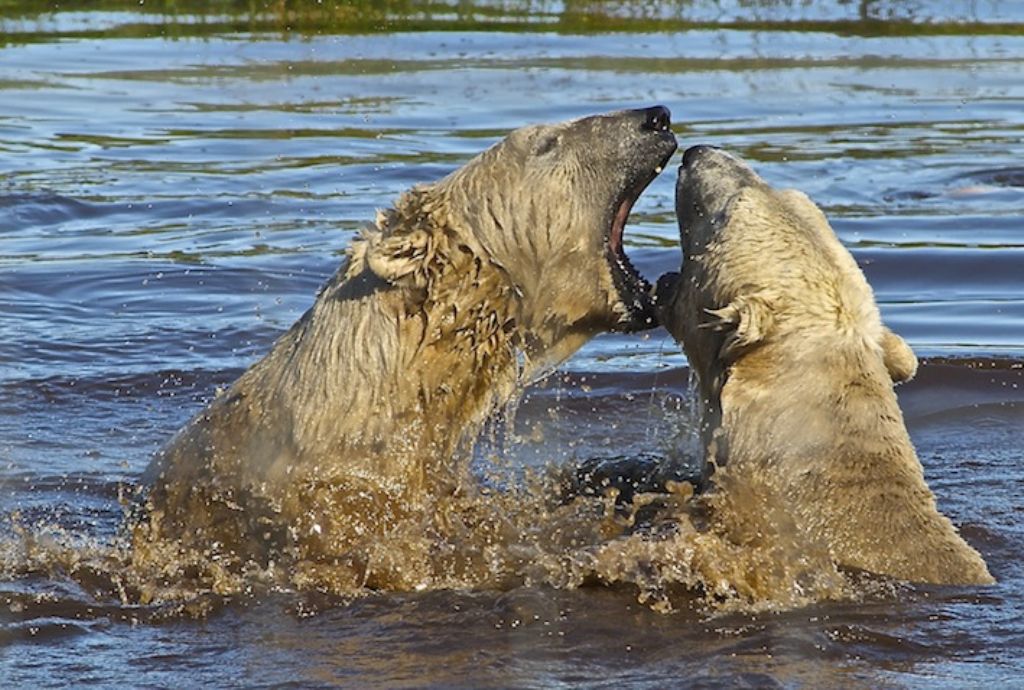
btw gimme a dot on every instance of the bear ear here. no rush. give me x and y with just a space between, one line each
900 360
401 258
746 322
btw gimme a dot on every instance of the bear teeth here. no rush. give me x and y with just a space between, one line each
626 266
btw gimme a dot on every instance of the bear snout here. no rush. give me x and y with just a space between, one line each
656 119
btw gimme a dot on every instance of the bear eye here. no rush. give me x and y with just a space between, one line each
546 145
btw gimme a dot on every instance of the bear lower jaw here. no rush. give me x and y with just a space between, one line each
635 307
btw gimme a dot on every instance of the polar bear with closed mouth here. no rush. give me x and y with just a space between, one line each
446 306
796 373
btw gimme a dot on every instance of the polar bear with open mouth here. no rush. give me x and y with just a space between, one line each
349 428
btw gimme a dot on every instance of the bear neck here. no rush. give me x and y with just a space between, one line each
824 442
790 423
390 380
386 382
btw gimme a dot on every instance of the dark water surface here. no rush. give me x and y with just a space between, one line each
174 187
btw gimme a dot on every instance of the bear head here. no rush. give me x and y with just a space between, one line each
763 264
546 206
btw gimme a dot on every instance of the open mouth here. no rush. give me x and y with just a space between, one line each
634 290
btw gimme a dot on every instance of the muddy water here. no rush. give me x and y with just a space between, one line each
175 187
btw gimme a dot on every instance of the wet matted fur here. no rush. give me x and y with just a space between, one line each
353 425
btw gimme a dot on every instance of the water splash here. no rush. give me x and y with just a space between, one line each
721 552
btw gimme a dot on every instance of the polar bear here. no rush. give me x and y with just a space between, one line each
796 374
447 305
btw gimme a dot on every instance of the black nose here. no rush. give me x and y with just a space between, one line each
694 152
657 119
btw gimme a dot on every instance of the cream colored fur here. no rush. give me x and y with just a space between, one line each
450 302
796 375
